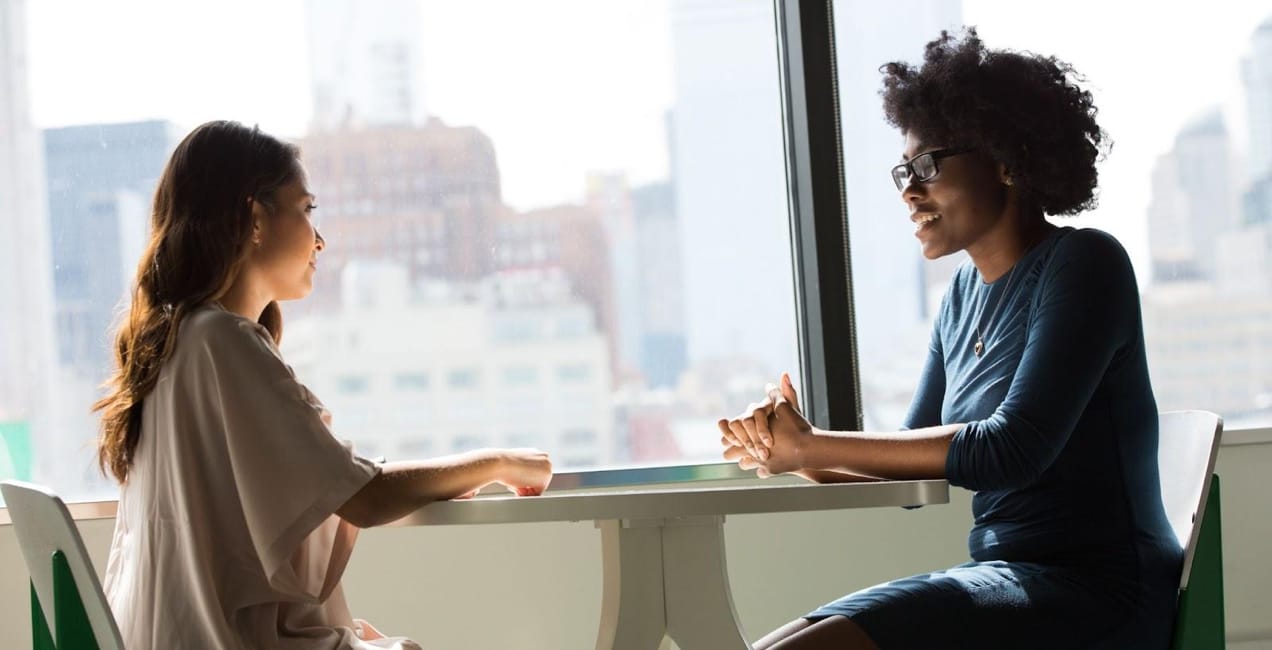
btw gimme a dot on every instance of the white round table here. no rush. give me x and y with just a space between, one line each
663 549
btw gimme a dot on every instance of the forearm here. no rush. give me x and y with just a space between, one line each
914 454
405 486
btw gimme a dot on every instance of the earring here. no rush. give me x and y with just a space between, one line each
1008 182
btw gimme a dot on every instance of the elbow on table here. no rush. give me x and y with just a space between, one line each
365 509
357 515
994 471
998 454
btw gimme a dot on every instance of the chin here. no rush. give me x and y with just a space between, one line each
934 252
296 294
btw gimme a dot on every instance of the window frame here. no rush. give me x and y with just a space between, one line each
818 201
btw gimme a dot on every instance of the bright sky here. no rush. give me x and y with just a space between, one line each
560 100
557 100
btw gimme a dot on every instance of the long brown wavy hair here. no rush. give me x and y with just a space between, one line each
200 229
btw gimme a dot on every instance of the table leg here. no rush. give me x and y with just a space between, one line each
632 615
699 605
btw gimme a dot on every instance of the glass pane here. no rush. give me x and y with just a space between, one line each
1184 189
573 236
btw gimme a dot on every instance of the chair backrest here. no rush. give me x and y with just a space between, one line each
43 526
1187 449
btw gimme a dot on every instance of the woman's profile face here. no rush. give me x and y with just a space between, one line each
286 256
955 208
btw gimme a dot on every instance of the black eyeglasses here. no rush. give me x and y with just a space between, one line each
923 167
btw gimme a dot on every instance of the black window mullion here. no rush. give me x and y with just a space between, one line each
819 215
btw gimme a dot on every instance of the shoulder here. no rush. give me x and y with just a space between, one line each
1090 246
1089 262
213 329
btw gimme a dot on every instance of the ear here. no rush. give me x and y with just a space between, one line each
1004 175
258 217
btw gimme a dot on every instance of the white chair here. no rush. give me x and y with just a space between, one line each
68 608
1188 447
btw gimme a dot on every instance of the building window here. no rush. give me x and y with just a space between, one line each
578 437
519 376
578 462
523 439
575 373
416 448
467 443
463 378
411 381
352 384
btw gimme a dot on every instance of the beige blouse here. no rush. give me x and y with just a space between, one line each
226 536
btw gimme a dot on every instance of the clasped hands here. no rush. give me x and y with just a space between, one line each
770 437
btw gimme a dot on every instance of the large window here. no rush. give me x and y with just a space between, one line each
559 223
1185 92
590 227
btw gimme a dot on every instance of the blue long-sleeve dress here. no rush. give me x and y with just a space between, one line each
1070 544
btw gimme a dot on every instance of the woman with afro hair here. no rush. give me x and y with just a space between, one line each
1035 394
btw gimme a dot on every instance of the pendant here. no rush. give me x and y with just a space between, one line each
978 348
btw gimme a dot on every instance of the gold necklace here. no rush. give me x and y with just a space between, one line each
979 346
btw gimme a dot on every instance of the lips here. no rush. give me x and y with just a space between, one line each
924 220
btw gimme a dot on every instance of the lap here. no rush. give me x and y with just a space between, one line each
990 604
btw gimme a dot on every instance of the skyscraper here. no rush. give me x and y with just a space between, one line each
101 178
571 239
426 196
1207 319
660 284
1193 202
1256 75
728 168
26 286
610 198
364 65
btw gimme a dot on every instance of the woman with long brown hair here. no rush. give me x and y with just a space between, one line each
238 508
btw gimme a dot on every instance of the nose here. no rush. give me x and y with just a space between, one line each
319 242
913 191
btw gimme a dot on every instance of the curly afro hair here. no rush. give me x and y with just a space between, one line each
1024 110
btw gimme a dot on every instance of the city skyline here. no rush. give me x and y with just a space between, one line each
1208 322
542 172
631 59
639 244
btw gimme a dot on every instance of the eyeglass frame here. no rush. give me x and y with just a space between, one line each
936 155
